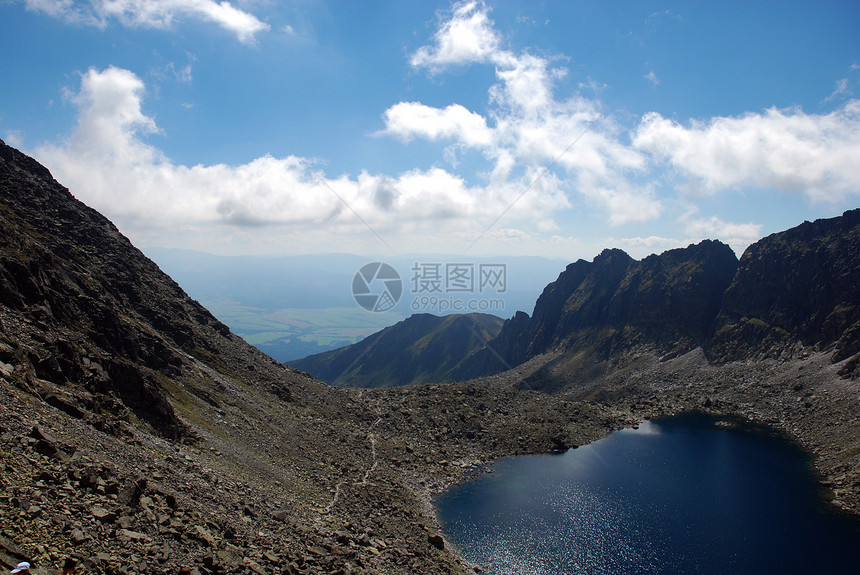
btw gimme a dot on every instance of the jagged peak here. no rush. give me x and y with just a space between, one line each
612 254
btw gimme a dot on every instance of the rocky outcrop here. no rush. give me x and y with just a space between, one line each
81 304
665 303
795 291
421 349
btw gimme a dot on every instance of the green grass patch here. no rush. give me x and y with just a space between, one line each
325 327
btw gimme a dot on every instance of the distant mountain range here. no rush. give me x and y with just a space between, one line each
791 293
422 349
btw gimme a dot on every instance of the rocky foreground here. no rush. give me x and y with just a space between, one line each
313 490
356 498
138 435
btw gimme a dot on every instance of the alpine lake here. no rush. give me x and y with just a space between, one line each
691 494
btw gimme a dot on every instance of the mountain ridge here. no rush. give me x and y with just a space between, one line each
603 308
421 349
790 292
794 290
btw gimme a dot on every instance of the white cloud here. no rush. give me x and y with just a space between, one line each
624 202
651 242
107 163
615 170
153 14
787 150
170 71
544 153
409 119
841 89
184 74
527 129
652 77
467 37
14 138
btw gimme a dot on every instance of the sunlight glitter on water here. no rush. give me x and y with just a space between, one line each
578 532
673 497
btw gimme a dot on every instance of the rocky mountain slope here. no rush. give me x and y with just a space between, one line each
791 293
795 291
421 349
600 311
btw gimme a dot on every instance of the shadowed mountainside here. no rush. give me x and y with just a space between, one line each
601 310
795 291
792 293
421 349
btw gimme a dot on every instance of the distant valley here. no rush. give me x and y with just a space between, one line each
294 306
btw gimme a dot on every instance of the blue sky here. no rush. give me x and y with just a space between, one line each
385 128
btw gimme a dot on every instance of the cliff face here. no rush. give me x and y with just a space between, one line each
793 290
81 304
667 303
421 349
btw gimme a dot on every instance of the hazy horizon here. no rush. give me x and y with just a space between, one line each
473 128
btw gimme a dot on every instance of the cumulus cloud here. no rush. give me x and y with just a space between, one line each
108 163
527 128
467 37
788 150
409 119
544 155
621 171
153 14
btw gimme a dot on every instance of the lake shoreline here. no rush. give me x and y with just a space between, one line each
769 393
684 439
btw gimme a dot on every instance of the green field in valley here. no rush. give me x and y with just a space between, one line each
293 333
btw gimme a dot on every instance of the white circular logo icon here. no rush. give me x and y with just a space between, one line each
377 287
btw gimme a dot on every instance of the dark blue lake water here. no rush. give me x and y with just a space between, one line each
677 496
